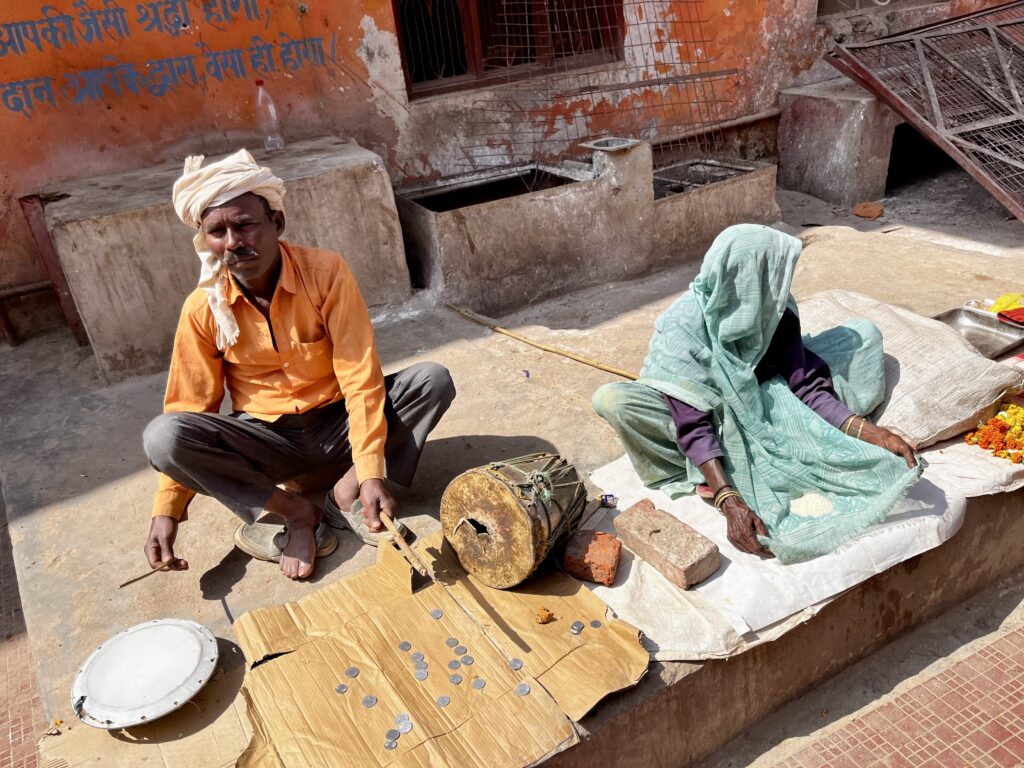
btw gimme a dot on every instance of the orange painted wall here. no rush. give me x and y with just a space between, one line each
89 130
350 83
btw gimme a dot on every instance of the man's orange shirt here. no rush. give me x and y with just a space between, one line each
325 351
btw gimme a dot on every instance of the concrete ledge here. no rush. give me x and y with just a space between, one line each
130 262
602 224
835 139
682 712
686 224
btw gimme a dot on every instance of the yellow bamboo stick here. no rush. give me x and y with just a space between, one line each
486 321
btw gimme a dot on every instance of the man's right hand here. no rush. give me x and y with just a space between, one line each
377 500
743 527
160 544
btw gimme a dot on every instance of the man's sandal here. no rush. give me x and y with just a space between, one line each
266 541
353 520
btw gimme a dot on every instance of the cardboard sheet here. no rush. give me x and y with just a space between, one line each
300 720
750 600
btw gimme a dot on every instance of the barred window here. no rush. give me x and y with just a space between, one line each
454 44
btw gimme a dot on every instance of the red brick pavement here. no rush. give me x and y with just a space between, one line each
21 714
969 715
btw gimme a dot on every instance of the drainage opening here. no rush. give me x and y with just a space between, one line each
693 174
913 159
415 259
488 190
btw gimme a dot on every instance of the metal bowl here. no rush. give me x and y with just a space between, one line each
983 330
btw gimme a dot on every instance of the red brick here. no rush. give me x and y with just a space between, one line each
593 556
861 755
1003 758
897 761
867 210
950 759
678 552
1016 746
810 757
997 732
875 720
982 741
897 737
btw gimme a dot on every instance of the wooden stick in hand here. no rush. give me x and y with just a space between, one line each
410 555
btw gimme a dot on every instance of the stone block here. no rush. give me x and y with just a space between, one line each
835 139
678 552
593 556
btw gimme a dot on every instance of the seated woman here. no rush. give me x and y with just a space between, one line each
733 396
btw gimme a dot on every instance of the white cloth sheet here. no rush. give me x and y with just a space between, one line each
750 600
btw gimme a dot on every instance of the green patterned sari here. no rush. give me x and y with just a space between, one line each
813 486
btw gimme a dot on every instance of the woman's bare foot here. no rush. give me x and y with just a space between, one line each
301 518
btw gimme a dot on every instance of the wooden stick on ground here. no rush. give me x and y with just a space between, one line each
486 321
407 551
147 574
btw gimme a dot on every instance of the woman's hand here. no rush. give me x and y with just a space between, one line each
883 438
743 525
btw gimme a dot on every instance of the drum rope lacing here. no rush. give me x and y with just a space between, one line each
538 486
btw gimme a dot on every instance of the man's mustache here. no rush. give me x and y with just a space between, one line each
243 252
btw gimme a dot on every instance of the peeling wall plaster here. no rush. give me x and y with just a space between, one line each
360 92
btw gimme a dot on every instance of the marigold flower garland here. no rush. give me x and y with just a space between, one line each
1003 434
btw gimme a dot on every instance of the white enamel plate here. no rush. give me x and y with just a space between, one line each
144 673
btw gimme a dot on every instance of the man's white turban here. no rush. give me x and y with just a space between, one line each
200 188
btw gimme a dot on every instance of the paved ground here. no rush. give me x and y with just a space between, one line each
78 490
970 714
945 208
951 691
21 715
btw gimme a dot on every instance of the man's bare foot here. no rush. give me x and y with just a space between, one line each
346 490
300 552
301 518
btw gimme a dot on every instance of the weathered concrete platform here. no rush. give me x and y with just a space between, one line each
682 712
78 495
498 241
130 261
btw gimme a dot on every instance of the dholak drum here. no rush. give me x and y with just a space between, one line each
504 518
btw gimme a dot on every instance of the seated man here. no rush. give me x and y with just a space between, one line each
284 328
729 396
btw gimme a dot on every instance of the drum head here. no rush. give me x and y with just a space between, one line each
144 673
491 529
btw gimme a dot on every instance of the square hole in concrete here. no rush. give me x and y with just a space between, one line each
486 189
691 174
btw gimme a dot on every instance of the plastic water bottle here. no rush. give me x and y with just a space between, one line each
267 115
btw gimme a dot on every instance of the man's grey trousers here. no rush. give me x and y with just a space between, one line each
239 460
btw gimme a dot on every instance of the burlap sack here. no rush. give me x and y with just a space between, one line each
936 384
